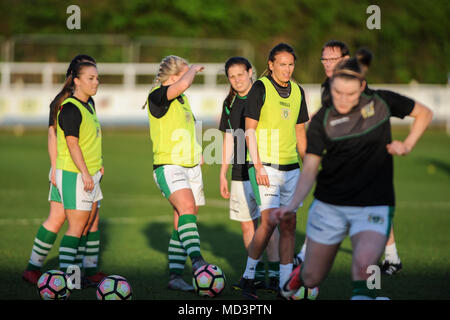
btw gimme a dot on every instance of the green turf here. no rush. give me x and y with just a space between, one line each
136 221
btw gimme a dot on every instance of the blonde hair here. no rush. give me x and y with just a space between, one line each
170 65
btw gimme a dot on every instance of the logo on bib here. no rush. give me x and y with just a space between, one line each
285 113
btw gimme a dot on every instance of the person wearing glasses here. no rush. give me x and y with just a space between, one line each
333 52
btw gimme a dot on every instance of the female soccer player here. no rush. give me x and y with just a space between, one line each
176 162
46 235
351 140
243 206
79 161
391 263
275 136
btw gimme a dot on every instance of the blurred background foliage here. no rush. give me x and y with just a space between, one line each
412 44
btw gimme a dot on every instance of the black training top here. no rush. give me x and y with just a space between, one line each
69 118
257 96
158 103
233 121
356 169
51 119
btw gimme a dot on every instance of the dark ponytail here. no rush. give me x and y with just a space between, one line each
348 69
68 87
231 62
79 58
281 47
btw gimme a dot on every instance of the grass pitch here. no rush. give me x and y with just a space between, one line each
136 221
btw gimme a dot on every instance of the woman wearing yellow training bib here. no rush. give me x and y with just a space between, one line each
275 135
176 162
79 164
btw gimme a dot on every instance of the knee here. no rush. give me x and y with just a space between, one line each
188 208
288 224
360 267
310 279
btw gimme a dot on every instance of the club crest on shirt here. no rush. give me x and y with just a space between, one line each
285 113
368 110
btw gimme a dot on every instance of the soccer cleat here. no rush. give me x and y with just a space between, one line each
280 296
248 289
237 285
292 284
177 283
296 262
274 285
260 284
31 276
197 263
390 268
92 281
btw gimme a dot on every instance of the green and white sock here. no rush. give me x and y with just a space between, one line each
43 243
188 233
90 260
177 254
81 251
274 269
360 291
260 272
68 252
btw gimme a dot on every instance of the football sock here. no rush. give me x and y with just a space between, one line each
285 272
188 233
250 269
81 251
68 252
90 260
260 271
360 291
274 269
302 252
177 254
390 253
43 242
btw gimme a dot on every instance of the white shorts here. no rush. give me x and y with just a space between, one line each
171 178
71 189
330 224
243 206
281 190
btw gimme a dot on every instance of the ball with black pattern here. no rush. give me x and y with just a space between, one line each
209 280
114 287
52 285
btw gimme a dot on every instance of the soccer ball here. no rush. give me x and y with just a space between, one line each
52 285
114 288
209 280
302 294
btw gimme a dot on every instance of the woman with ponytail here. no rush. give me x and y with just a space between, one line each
351 142
47 232
275 134
243 205
177 158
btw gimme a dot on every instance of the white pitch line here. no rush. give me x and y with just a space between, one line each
217 203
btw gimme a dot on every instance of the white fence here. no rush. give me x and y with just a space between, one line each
120 104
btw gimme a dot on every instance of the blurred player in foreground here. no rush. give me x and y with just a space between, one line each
354 194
